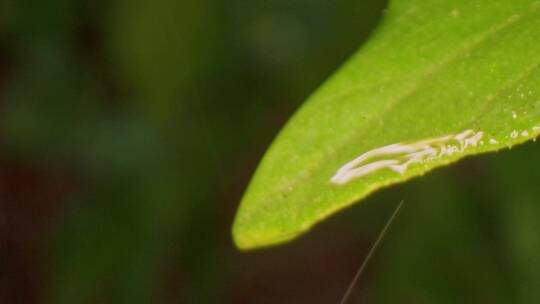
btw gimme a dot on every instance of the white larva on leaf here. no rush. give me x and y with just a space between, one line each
398 157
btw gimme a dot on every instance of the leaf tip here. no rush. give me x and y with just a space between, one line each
247 237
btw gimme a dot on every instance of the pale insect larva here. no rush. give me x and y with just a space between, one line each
398 157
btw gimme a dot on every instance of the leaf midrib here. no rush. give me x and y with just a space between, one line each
488 107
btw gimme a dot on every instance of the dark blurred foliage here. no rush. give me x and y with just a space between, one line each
129 130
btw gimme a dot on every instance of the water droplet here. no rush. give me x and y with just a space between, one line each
514 134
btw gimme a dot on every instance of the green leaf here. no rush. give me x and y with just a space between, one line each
438 80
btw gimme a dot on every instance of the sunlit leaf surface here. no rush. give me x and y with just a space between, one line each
439 80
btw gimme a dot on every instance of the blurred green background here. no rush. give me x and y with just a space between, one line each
129 130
